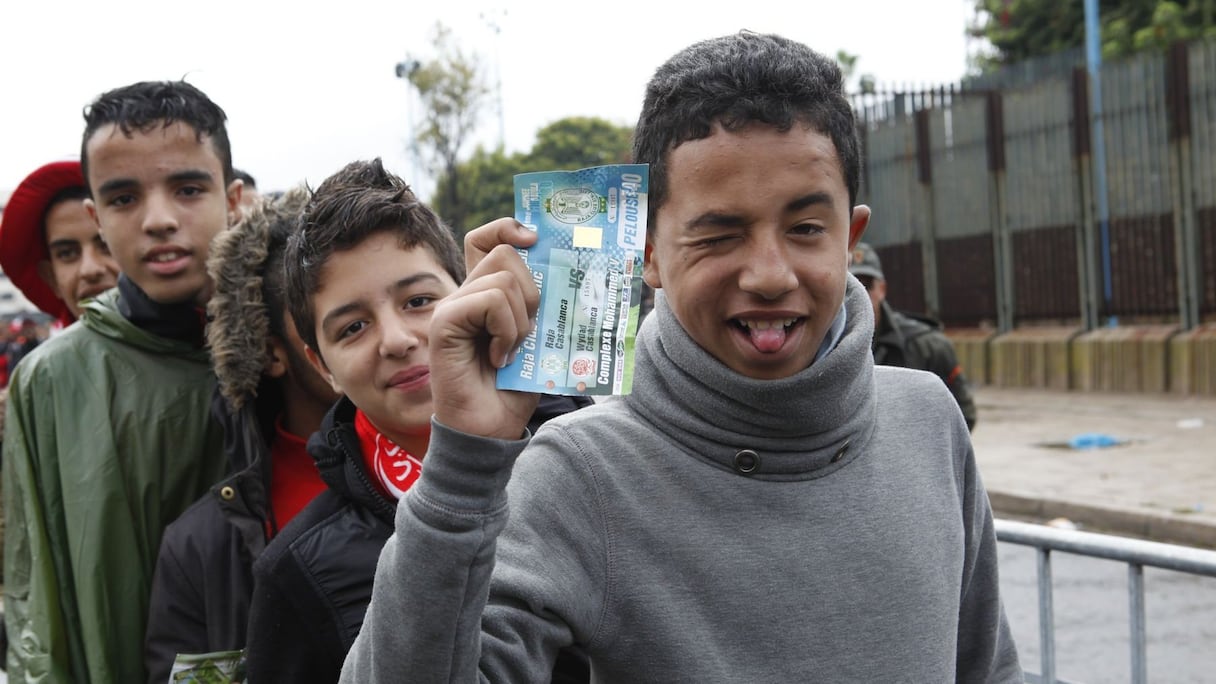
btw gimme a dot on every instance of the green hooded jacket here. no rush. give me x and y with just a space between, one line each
108 439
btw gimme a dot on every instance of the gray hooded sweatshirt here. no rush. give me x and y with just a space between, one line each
826 527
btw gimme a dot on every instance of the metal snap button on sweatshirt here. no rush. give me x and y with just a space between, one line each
746 461
844 449
227 493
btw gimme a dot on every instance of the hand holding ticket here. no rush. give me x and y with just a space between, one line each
587 264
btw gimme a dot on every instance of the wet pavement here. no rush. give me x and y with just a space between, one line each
1139 465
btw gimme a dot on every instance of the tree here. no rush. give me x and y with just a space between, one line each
485 193
487 178
577 142
848 68
453 91
1022 29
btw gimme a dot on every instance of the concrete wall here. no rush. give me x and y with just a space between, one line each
1192 361
1141 358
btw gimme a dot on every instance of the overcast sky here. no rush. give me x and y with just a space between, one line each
309 86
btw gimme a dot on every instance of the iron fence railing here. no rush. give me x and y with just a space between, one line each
1134 552
1028 203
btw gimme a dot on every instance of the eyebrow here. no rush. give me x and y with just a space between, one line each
720 219
402 284
115 185
192 175
63 242
186 175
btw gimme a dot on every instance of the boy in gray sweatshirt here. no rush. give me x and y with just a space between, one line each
766 506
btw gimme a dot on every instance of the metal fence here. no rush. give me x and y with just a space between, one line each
985 196
1135 553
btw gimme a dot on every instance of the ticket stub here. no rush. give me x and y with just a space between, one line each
220 667
587 264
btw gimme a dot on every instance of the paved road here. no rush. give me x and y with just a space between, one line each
1160 485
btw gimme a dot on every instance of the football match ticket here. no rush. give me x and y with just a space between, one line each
587 264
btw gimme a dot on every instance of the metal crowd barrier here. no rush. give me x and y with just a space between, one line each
1134 552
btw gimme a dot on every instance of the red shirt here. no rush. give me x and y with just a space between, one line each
294 479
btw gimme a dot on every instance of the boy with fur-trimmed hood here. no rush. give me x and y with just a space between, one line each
269 401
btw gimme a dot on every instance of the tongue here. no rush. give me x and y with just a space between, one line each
768 340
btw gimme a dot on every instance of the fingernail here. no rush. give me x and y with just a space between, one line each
502 363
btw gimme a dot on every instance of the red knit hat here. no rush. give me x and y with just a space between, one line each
22 242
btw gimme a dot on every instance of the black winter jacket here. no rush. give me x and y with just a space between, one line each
313 583
203 582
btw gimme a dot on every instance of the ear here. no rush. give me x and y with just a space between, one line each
319 364
276 358
857 224
650 270
48 276
91 208
233 194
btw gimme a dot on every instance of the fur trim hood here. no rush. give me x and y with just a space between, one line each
239 328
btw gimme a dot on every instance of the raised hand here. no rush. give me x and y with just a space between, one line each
474 332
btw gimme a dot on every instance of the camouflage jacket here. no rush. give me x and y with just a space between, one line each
911 341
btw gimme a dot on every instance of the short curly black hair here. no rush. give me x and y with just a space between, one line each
361 200
145 105
737 80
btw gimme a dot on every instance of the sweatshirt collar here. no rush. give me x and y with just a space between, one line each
797 427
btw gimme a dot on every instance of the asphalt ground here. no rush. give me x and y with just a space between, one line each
1136 465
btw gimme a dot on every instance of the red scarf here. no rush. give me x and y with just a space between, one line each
395 470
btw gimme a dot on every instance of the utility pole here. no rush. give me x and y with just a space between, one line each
1093 60
405 70
493 20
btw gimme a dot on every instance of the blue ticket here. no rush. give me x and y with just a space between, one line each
587 264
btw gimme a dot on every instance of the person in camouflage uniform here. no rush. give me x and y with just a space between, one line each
910 340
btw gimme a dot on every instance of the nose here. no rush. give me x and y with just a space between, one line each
95 264
397 337
160 215
767 270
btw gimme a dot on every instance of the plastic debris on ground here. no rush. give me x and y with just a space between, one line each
1087 441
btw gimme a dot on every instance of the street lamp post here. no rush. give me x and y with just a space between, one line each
404 70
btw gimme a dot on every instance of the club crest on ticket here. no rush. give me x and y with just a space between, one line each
587 264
